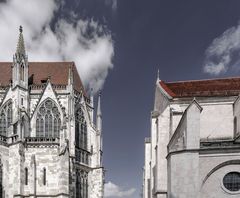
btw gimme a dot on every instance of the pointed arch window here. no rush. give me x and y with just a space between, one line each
81 184
5 117
80 130
48 120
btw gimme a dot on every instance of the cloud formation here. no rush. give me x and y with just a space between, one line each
112 3
224 52
113 191
49 38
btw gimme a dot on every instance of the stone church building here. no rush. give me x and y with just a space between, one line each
194 146
49 143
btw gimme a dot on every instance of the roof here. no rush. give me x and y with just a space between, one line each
203 88
58 73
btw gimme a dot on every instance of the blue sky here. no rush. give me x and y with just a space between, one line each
118 46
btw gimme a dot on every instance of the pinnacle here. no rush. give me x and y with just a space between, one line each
20 45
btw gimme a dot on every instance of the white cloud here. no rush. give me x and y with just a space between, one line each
84 41
113 191
224 52
112 3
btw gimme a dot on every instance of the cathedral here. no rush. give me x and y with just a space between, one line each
50 145
194 144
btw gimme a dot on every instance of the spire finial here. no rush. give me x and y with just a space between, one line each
20 45
20 29
158 78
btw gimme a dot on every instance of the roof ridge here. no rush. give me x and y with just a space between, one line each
201 80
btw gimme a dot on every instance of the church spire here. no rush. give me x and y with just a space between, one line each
20 51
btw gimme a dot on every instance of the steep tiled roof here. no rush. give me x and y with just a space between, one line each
57 71
203 88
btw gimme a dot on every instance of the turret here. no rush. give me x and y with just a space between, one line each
20 64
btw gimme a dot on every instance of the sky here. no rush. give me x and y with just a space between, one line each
118 46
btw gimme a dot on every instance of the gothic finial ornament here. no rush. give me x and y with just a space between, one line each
158 75
20 45
20 29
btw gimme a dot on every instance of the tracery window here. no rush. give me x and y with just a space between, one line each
5 117
80 130
81 184
48 120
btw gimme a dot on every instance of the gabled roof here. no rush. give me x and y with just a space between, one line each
203 88
58 73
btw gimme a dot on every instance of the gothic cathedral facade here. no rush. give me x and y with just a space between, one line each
49 144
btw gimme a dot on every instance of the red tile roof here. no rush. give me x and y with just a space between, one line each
57 71
203 88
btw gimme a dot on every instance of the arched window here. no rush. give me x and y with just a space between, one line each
81 184
48 120
80 130
5 117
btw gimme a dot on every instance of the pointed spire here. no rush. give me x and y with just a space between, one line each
20 45
91 103
158 78
99 114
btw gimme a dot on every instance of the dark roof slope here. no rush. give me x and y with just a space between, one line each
203 88
57 71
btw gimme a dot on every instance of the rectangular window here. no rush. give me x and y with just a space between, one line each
44 176
26 176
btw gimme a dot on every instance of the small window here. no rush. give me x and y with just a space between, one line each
26 176
44 176
235 125
231 181
22 101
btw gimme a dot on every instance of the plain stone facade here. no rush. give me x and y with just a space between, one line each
194 142
45 156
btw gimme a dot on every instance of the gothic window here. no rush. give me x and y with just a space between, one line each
5 117
81 184
80 130
231 181
26 176
48 120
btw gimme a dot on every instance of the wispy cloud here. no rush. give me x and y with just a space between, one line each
112 190
224 52
112 3
49 38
